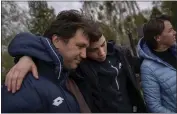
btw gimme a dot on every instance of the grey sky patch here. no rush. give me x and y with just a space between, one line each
61 5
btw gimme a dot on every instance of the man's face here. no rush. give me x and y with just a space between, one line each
168 36
98 50
74 50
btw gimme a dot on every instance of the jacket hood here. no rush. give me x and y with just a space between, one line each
145 53
36 46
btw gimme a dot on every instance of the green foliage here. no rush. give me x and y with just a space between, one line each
13 21
12 16
108 32
170 8
155 12
139 19
7 63
42 16
118 16
6 60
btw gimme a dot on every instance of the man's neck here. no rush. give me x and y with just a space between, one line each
161 49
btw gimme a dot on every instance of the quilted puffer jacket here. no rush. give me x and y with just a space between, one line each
158 81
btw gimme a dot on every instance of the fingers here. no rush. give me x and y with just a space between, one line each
34 71
7 77
15 76
14 81
19 80
9 80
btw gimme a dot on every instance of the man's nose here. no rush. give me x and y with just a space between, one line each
83 53
101 52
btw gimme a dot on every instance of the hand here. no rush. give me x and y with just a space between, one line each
15 76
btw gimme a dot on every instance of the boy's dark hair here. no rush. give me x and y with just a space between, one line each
68 22
95 32
153 28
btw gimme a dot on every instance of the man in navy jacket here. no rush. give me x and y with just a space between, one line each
63 47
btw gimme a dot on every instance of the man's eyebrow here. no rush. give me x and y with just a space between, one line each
82 45
103 43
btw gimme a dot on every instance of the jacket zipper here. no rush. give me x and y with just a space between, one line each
117 83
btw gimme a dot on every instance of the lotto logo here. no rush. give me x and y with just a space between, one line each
57 101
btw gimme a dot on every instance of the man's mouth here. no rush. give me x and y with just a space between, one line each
78 61
102 58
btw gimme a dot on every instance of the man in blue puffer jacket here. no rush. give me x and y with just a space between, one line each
60 50
158 70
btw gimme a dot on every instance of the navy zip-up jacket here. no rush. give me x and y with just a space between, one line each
49 92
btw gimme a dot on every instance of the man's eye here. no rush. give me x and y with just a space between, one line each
102 45
80 47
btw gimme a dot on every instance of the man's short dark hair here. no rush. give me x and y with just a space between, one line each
68 22
153 28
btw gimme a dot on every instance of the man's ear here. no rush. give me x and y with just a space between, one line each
158 38
55 40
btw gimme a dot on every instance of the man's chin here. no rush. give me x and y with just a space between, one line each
73 67
102 59
174 42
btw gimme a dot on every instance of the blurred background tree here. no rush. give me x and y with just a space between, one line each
14 20
122 17
170 8
41 16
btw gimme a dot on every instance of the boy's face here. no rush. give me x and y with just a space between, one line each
98 50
